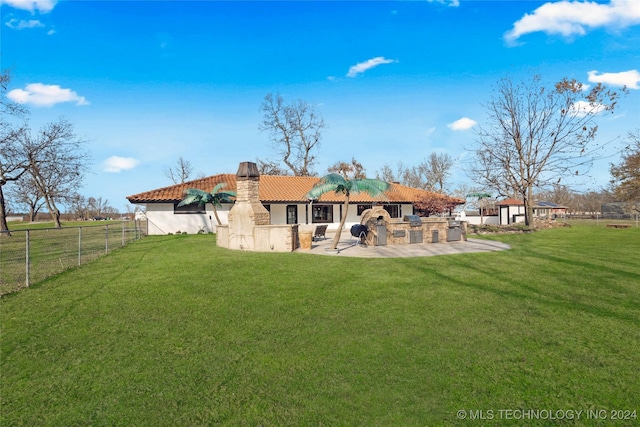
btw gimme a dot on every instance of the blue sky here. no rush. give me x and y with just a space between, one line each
149 81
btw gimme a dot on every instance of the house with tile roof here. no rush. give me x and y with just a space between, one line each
511 211
283 196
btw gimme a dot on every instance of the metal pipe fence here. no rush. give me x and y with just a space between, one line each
30 256
599 218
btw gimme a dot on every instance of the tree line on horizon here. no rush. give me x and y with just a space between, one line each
538 136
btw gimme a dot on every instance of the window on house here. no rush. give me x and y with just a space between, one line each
362 208
189 209
394 210
292 214
322 213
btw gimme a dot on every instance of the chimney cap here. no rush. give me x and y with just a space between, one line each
247 170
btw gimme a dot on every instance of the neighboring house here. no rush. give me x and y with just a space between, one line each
549 210
511 211
283 196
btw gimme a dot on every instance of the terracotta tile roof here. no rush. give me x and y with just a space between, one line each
510 202
274 189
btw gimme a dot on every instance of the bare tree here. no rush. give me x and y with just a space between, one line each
591 202
537 136
181 172
13 161
560 194
78 205
386 173
295 131
129 211
353 170
97 206
431 174
438 169
25 193
269 167
416 177
626 175
57 163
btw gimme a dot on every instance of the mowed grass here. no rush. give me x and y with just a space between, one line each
54 250
175 331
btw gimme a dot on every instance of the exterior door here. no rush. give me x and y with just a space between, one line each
292 214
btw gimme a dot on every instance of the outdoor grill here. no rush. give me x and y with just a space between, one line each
413 220
454 233
358 230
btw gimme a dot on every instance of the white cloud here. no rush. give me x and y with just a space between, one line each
452 3
368 64
630 79
20 24
430 131
42 6
42 95
464 123
570 18
583 108
117 164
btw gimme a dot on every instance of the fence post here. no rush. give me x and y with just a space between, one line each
79 246
106 239
27 259
122 233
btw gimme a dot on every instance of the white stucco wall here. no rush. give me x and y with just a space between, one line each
162 219
486 219
507 213
278 214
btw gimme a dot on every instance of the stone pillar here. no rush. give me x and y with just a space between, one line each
247 212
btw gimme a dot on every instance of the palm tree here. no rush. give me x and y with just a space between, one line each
339 184
216 198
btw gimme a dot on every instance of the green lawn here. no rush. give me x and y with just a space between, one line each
174 331
54 250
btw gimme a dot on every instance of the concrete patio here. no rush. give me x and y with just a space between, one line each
349 247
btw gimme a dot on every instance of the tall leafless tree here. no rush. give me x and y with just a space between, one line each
13 161
79 206
57 163
431 174
349 170
538 135
25 193
180 172
97 205
558 193
271 167
386 173
438 169
295 131
626 174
